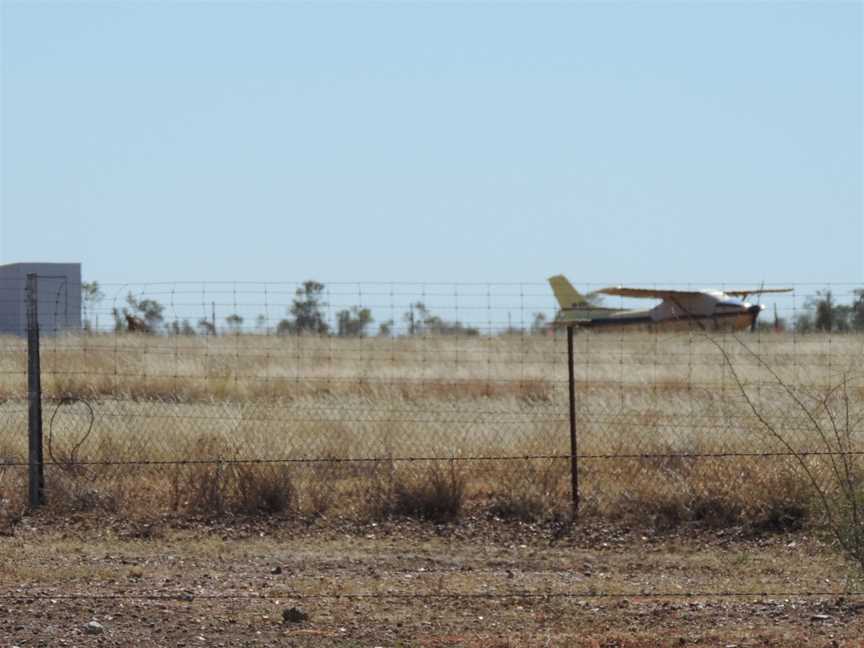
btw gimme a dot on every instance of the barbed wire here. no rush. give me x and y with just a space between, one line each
462 374
442 458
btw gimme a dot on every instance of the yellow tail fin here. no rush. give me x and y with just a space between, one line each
565 293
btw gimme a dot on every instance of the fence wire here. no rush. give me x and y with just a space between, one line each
429 400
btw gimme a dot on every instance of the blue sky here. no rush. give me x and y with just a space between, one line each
613 142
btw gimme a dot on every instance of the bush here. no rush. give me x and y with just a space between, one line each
236 488
436 495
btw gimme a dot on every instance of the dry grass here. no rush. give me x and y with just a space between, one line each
239 489
436 496
328 405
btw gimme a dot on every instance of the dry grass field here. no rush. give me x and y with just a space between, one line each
416 492
429 426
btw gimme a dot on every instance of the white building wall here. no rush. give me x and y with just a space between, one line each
58 292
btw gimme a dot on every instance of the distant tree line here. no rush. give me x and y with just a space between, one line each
822 313
306 316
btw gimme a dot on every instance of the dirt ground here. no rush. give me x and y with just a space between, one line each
480 582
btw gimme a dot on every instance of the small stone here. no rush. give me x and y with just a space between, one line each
294 615
94 628
276 570
819 617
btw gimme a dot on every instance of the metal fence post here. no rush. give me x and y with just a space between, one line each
574 460
34 397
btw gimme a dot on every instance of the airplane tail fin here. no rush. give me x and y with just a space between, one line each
565 293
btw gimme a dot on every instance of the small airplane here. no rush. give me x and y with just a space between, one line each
707 310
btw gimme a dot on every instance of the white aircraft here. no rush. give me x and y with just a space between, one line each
710 310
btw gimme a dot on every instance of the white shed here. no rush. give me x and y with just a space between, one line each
58 297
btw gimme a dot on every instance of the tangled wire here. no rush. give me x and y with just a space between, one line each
69 462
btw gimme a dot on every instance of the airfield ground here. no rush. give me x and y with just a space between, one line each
228 584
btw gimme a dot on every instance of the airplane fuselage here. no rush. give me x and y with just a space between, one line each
707 310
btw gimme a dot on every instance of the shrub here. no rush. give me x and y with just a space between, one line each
265 489
214 489
435 495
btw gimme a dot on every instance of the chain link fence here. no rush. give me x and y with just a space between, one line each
430 400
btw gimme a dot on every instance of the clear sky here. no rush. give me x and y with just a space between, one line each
613 142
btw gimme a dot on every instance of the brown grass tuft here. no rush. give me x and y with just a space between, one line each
435 493
240 489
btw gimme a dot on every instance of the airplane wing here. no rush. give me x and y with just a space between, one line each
647 293
650 293
744 293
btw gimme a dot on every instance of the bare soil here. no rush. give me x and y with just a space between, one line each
481 582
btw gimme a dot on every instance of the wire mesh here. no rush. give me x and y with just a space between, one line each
425 399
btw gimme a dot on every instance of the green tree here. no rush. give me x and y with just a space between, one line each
91 296
822 313
420 321
385 329
144 316
843 314
234 322
824 306
858 310
353 322
414 318
306 311
206 326
181 328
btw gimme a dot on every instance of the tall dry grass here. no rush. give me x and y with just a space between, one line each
421 426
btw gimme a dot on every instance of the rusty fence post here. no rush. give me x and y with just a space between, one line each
574 458
36 475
